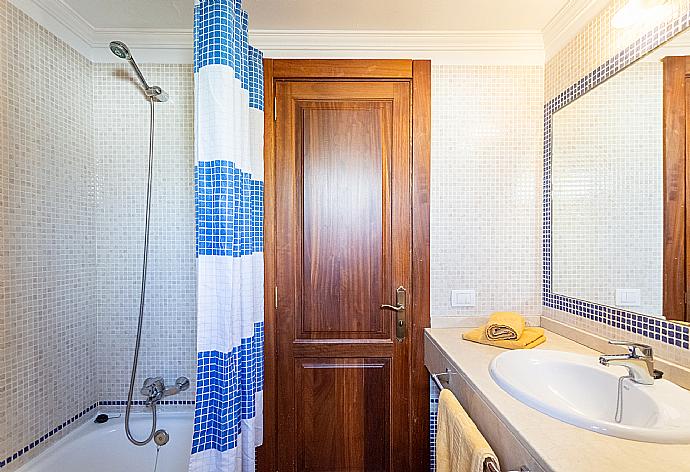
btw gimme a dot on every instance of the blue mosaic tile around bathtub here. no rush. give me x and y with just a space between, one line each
654 328
49 434
16 455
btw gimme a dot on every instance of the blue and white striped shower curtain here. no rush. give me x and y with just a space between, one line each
228 76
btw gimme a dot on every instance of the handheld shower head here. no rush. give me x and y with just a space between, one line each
121 50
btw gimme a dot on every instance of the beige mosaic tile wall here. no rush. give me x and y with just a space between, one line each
607 202
121 131
47 207
73 157
486 187
594 45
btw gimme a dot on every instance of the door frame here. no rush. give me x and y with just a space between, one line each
418 74
676 183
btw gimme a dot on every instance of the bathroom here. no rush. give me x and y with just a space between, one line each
502 283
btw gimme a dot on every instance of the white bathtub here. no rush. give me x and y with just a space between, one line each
105 448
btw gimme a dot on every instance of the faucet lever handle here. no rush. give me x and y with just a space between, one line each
645 349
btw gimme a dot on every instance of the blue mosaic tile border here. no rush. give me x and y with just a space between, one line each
651 327
434 392
57 429
28 447
143 402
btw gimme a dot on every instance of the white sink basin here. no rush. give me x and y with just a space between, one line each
576 389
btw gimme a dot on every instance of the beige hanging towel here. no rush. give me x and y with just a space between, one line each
460 447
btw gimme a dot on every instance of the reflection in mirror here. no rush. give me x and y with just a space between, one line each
607 189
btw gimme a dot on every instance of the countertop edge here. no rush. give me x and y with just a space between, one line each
554 445
496 411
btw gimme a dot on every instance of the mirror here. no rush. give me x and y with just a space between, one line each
608 188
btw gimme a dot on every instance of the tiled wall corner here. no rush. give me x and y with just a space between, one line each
47 208
486 187
121 127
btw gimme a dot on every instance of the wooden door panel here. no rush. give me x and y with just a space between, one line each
343 245
343 414
345 149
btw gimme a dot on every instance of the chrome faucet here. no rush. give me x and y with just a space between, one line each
154 388
639 361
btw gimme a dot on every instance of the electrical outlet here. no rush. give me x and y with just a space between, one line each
463 298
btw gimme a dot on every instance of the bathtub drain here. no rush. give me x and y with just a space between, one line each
102 418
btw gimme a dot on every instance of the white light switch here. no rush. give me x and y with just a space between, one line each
461 298
628 297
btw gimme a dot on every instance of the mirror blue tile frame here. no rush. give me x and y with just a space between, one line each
649 326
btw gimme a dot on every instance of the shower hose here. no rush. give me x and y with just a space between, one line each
142 297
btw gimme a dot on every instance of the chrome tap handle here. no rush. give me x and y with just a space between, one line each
633 347
152 385
152 381
153 389
182 383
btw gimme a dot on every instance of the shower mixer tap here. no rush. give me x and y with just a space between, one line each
154 388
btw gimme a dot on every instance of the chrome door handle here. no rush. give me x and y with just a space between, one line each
399 309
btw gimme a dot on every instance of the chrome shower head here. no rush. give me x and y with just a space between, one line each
120 49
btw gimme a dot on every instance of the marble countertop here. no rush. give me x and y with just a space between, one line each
558 446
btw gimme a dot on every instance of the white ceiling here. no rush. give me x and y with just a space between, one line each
427 15
395 15
445 31
126 14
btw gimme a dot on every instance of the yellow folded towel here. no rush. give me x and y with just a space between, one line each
530 338
505 325
460 447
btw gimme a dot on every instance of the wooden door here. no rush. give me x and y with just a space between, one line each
343 246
